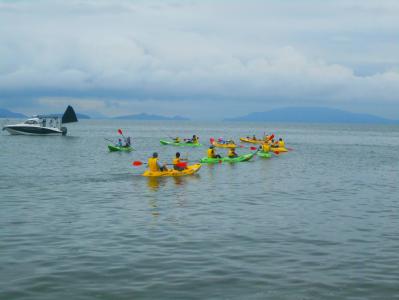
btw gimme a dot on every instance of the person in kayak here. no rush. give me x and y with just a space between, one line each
177 163
212 153
176 140
154 165
281 143
119 143
265 147
128 142
232 153
254 137
193 140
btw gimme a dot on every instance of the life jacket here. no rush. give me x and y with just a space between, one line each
231 153
281 144
265 147
211 153
153 164
195 140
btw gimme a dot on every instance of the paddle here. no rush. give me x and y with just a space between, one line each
121 133
109 140
137 163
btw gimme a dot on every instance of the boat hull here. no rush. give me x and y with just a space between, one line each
31 130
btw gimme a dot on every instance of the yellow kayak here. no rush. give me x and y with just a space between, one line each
190 170
252 141
279 149
224 145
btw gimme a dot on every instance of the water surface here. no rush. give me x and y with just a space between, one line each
321 222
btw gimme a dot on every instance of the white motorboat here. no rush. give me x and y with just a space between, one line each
44 124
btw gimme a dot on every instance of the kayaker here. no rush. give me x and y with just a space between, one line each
177 163
154 165
128 142
232 153
176 139
254 137
212 153
265 147
281 143
193 140
120 143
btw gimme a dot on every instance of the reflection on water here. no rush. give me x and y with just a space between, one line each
153 183
154 207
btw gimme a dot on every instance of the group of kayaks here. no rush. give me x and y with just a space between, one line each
192 169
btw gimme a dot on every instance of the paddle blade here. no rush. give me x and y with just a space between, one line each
120 131
253 148
276 152
137 163
271 137
211 140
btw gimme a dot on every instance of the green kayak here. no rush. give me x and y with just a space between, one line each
264 154
163 142
114 148
240 158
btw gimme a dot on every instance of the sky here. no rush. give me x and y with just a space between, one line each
201 59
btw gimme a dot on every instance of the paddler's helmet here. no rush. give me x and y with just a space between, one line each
155 155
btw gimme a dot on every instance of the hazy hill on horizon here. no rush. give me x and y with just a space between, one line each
5 113
149 117
313 115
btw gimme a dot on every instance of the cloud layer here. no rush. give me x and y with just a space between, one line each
187 56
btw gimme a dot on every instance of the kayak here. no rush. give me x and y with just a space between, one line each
252 141
279 149
114 148
189 171
163 142
224 145
264 154
240 158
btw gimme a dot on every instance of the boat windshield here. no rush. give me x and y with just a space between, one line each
33 122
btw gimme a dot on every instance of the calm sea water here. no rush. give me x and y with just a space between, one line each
321 222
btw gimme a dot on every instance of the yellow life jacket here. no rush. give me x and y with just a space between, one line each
153 164
281 144
177 140
265 147
231 153
211 153
176 161
195 140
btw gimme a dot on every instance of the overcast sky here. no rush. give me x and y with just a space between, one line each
200 59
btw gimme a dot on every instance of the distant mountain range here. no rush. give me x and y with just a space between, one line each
5 113
78 115
148 117
312 115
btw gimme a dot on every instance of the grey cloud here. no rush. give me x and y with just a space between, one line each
261 53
